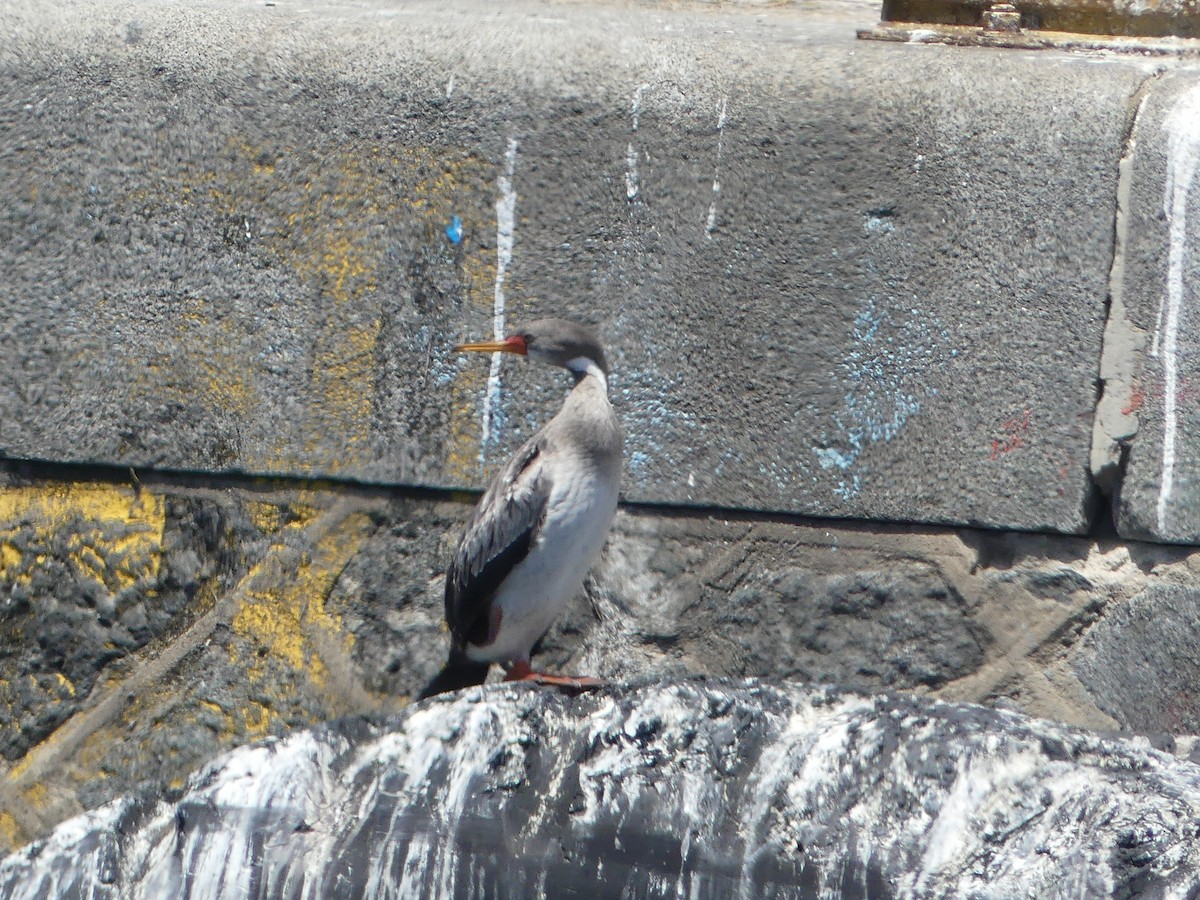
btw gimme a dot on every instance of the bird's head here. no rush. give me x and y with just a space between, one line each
556 342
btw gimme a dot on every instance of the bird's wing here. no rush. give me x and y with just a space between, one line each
497 538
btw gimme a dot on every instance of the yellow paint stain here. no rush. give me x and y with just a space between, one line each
257 720
10 832
344 375
466 428
89 761
65 683
57 502
335 236
112 534
329 219
36 796
275 622
215 367
267 517
302 512
280 616
17 772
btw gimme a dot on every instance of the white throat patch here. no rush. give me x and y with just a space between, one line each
582 365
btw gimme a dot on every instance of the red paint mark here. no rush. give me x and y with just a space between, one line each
1015 430
1187 393
1136 398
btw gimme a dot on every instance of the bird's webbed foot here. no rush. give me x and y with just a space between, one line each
570 684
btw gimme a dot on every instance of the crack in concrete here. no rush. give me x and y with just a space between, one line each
1115 423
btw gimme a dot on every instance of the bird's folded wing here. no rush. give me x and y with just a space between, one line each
497 538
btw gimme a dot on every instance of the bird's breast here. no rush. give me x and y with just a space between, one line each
579 513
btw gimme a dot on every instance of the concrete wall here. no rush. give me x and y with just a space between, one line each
943 288
839 278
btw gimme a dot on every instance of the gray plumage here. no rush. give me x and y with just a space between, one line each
543 519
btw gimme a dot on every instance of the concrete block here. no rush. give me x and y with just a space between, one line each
1139 662
1152 371
839 278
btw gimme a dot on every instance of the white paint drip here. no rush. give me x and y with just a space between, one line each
631 154
506 224
637 104
980 795
1183 158
716 188
70 840
631 172
776 766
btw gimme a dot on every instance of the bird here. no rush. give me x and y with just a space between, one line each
541 523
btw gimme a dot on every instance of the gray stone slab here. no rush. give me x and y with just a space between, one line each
1153 350
1139 663
840 278
690 788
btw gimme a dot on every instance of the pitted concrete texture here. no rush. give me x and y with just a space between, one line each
1135 666
1155 382
841 278
148 630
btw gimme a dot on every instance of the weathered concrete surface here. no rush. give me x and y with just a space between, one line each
146 631
843 278
1154 341
1135 663
693 788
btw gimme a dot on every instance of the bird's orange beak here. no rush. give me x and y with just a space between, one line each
514 344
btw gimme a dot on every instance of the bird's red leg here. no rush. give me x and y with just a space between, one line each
520 670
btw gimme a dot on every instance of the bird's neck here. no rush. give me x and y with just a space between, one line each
583 367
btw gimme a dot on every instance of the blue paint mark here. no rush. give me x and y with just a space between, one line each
454 231
653 418
638 463
881 375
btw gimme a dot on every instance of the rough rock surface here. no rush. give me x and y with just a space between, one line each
695 788
250 611
1136 666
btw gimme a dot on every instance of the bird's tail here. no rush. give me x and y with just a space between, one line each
458 673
